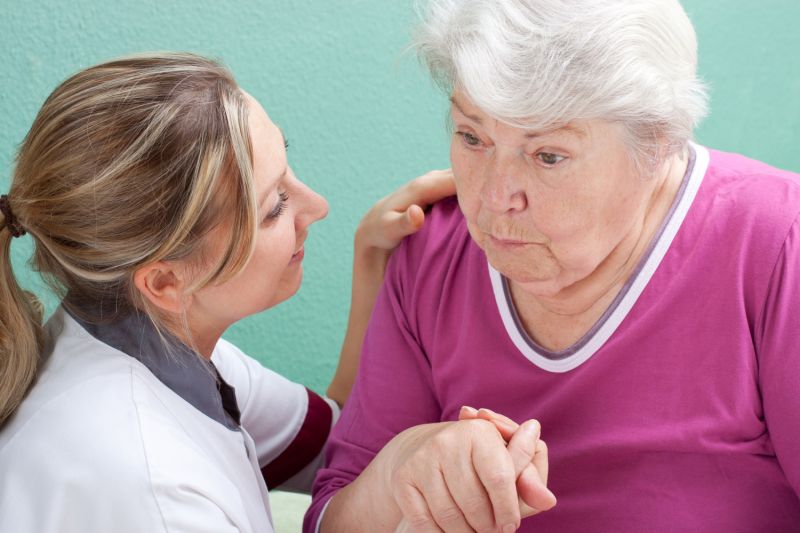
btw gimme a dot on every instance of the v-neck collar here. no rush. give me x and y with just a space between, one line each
593 340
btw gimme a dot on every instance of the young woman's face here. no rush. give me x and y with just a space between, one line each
286 209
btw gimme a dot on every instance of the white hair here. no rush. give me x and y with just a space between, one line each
539 64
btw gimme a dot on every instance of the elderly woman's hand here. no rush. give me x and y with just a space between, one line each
464 477
532 480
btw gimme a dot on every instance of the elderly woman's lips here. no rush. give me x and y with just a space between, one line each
508 243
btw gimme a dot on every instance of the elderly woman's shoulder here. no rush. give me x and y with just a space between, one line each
751 187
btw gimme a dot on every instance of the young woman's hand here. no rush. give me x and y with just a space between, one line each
402 213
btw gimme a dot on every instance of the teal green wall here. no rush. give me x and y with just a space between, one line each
361 115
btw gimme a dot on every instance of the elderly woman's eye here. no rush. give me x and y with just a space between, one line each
549 159
469 138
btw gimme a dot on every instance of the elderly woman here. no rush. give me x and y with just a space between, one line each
635 292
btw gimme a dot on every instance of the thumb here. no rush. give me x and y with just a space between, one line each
522 446
414 217
400 224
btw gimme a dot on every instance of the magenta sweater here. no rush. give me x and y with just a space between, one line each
679 411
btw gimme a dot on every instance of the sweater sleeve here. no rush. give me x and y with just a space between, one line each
289 423
779 357
393 389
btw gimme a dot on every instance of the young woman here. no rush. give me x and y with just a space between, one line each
162 210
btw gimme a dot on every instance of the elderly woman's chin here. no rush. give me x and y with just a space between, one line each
536 271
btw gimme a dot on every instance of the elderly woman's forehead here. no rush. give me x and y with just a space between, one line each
579 128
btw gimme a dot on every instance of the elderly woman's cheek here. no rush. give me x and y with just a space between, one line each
467 185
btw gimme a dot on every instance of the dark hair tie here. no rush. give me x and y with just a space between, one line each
10 221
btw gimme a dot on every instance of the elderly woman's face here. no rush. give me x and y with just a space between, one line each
546 207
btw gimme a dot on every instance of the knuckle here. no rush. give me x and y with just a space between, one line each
499 479
486 526
479 507
418 521
447 516
477 425
416 186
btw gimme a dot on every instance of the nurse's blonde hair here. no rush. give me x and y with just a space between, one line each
128 162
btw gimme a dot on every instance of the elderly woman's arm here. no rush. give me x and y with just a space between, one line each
379 233
777 339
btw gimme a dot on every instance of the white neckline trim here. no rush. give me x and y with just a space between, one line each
604 332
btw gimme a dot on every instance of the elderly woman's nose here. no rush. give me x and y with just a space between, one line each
502 189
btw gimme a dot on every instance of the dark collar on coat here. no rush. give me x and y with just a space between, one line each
184 371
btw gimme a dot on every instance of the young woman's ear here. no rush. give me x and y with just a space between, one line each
162 284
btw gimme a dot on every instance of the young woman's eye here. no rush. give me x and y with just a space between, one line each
280 207
550 159
469 138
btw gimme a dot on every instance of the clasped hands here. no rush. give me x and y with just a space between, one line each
482 473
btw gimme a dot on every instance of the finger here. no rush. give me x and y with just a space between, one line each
428 188
505 425
403 527
522 446
397 225
469 494
495 469
532 483
416 515
506 430
534 496
490 415
541 460
443 508
467 413
415 217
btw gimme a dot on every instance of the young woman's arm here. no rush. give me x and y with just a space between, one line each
380 231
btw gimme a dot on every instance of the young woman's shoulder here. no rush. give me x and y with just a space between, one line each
71 460
100 444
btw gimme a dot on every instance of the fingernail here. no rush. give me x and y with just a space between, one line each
486 411
509 528
534 430
469 410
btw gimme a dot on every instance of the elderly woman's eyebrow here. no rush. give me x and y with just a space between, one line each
567 128
461 110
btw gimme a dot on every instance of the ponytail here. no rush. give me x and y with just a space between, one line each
21 334
159 140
